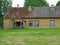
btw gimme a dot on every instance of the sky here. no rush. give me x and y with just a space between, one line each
21 2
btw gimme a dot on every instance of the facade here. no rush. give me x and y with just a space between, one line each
32 17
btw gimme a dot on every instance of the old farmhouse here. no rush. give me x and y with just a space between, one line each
32 17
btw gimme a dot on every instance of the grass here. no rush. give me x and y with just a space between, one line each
35 36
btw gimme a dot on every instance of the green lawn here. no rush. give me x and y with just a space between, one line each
35 36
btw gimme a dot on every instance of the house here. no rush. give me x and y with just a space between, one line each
32 17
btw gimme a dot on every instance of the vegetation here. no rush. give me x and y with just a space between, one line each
35 36
35 3
4 5
58 3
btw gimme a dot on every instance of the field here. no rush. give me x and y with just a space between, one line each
36 36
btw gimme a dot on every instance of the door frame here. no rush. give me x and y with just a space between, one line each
15 24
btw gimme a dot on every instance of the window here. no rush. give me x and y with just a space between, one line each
30 23
17 24
52 23
36 23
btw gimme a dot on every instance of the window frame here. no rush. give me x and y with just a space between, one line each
30 23
36 25
52 25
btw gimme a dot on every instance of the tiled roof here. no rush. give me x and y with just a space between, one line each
45 12
39 12
16 12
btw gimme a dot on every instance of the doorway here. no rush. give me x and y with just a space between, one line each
18 24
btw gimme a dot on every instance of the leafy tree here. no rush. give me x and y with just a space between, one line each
4 5
58 3
35 3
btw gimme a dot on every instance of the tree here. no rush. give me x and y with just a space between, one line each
35 3
4 5
58 3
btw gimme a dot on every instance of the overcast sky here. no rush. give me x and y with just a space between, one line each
21 2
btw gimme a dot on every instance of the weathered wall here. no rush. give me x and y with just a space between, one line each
57 23
43 23
7 24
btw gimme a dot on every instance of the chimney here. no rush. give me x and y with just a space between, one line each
17 5
52 6
29 8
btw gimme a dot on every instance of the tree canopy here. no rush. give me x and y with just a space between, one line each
4 4
35 3
58 3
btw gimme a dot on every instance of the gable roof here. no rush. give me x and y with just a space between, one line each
37 12
45 12
16 12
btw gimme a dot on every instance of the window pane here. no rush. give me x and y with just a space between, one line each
30 23
36 23
52 23
18 24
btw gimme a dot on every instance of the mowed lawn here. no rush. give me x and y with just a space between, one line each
35 36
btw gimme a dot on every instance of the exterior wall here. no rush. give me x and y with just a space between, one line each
43 23
17 20
57 23
7 24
